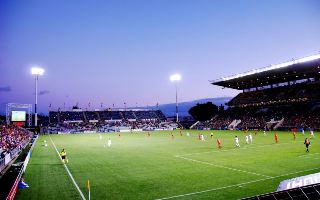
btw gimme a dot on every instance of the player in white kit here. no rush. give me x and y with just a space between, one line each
108 143
247 139
202 137
311 133
250 138
237 141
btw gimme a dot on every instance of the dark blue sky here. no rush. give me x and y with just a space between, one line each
124 51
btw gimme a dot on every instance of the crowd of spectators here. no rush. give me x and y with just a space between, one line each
12 141
86 116
286 117
107 121
299 93
12 136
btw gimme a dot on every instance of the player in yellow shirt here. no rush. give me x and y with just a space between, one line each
64 156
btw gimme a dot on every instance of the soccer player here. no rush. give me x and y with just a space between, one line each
180 133
188 134
250 138
311 133
219 143
64 156
264 132
109 142
247 139
303 132
100 136
276 138
211 135
295 130
237 141
307 143
148 134
202 137
294 135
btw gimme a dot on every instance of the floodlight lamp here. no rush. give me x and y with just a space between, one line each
175 77
37 71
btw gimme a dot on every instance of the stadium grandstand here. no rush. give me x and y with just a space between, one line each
282 96
76 121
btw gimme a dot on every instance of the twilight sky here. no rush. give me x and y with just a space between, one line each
116 51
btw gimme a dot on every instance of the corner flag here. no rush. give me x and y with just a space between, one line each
88 185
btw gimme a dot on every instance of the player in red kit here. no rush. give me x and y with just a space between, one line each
219 143
307 143
294 135
276 138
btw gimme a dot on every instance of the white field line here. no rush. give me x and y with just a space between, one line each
308 154
70 175
235 185
312 158
254 147
221 166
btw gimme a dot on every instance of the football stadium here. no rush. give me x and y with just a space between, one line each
263 143
140 154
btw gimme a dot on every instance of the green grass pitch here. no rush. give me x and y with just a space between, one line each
161 167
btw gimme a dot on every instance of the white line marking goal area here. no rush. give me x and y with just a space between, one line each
69 173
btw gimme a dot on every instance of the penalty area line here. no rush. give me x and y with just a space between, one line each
235 185
69 173
221 166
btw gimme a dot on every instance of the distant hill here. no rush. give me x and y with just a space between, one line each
170 109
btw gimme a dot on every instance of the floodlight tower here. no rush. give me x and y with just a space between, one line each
36 71
176 78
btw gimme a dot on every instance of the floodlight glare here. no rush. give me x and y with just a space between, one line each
175 77
37 71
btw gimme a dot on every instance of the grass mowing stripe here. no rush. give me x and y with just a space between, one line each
308 154
235 185
221 166
233 149
70 175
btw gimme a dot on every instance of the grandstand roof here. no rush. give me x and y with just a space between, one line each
307 67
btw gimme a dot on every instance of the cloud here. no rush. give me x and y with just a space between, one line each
43 92
5 89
